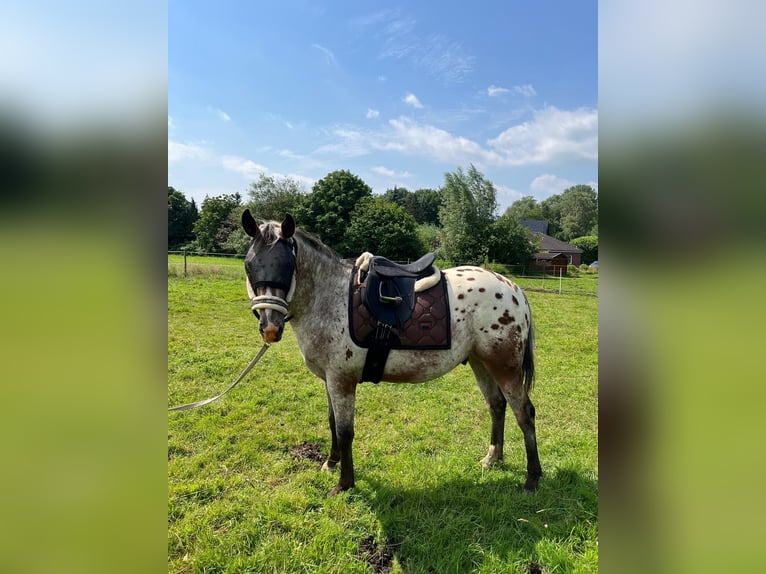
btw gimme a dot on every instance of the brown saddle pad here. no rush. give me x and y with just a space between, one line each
427 328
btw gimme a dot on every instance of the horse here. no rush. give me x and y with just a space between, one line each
292 275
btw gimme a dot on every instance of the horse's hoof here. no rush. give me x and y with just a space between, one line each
329 467
530 487
338 489
489 461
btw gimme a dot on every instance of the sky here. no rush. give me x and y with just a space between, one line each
398 94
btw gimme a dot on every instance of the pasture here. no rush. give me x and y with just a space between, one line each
244 489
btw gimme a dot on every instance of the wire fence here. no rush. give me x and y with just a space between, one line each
548 280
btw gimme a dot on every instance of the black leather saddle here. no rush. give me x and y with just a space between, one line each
389 288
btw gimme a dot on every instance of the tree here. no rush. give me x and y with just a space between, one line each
510 242
400 196
182 214
589 246
272 197
426 206
466 215
327 210
525 208
423 204
551 212
429 237
213 216
579 211
382 228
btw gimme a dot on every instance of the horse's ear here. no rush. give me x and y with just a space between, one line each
249 224
288 226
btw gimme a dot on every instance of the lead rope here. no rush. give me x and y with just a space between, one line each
189 406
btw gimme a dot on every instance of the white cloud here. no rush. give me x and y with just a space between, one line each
349 142
526 90
328 54
223 116
246 167
412 100
437 54
552 134
548 184
178 151
251 170
381 170
493 91
171 125
371 114
419 139
506 196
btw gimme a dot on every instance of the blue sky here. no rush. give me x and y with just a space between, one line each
398 94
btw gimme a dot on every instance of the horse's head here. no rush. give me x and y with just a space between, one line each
270 269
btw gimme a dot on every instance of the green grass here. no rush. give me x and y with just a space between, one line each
205 265
238 501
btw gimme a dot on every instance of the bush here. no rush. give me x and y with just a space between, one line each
573 271
497 268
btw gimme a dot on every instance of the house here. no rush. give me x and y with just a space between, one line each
553 255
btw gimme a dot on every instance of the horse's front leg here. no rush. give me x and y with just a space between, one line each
342 398
334 458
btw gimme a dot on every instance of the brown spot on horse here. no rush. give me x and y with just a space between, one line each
515 301
481 289
506 318
349 354
461 296
498 295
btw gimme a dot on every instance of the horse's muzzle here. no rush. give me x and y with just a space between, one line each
271 326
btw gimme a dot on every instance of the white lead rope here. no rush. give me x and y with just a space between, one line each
188 406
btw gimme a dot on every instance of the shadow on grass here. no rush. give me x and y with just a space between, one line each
490 525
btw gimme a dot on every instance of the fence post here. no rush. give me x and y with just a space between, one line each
560 275
184 262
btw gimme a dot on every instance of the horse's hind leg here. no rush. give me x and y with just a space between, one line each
510 382
496 403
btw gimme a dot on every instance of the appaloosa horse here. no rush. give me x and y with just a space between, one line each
292 275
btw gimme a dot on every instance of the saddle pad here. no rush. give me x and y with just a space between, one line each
427 328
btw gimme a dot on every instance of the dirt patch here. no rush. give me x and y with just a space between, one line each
535 568
379 557
307 451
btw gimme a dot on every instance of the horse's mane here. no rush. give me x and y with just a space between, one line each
315 243
269 231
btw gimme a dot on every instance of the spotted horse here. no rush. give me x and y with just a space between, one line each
292 275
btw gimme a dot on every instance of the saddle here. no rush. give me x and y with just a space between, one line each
389 288
383 296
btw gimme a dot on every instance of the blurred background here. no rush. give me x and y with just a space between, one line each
83 135
682 104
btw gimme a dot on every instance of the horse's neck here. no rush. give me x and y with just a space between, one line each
321 285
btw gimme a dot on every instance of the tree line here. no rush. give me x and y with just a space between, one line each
459 220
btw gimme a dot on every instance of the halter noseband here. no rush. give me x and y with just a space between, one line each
280 262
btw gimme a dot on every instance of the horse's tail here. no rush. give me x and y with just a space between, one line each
528 363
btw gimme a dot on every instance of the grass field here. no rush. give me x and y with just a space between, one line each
245 494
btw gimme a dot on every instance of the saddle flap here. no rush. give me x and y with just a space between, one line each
389 300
